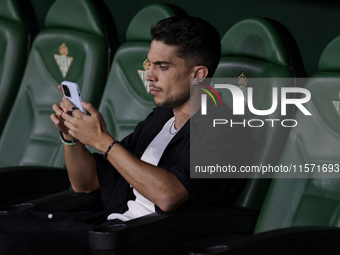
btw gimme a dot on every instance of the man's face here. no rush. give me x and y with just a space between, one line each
168 75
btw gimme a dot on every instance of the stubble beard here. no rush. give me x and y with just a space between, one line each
174 101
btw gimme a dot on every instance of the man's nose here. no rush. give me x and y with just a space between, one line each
148 76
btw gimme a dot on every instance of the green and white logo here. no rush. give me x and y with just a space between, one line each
63 61
142 74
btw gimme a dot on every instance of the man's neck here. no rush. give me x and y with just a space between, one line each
184 112
182 115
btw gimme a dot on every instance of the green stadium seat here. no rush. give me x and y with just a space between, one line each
77 44
18 27
260 50
312 200
300 214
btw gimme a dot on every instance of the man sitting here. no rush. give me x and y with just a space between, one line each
149 170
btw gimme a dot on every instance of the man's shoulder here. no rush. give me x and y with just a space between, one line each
160 115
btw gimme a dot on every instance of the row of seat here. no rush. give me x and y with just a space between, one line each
256 47
300 211
126 100
75 45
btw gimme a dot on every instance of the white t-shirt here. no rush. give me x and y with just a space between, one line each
142 206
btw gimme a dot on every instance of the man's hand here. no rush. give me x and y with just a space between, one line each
80 163
57 116
89 129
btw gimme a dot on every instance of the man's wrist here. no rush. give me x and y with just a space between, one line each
109 148
104 142
66 141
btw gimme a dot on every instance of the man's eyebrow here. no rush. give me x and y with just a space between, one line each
161 62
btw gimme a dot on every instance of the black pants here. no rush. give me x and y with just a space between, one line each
19 235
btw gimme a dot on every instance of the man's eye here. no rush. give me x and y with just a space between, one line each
163 68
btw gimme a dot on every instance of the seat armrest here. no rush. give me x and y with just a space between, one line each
151 234
69 201
20 184
295 240
66 201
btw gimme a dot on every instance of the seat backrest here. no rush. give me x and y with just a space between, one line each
126 100
73 46
311 195
255 53
18 28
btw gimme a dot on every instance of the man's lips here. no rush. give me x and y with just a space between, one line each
154 91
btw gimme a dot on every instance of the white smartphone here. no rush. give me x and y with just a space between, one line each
72 92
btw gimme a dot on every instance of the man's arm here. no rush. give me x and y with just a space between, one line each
80 163
81 167
156 184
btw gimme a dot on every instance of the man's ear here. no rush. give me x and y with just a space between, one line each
200 72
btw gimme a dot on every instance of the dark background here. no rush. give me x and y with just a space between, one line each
313 24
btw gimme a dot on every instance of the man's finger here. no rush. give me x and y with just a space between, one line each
58 111
89 107
69 124
55 119
60 89
67 105
67 117
75 111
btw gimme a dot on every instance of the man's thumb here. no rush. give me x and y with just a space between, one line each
88 107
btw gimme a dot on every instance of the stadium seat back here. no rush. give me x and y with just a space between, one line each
74 47
256 52
18 28
126 99
313 148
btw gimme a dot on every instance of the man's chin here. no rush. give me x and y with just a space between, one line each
172 102
161 104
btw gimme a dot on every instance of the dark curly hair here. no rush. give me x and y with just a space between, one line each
199 42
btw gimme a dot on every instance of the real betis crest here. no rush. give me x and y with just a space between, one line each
242 82
337 105
142 74
63 61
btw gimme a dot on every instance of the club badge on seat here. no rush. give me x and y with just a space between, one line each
63 61
337 105
242 82
142 74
